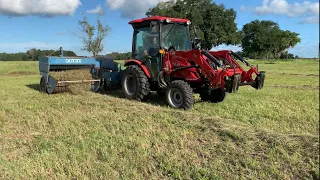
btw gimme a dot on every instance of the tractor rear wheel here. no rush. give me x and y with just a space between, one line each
179 95
215 96
135 84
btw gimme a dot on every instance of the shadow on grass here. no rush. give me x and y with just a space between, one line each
155 99
270 62
35 87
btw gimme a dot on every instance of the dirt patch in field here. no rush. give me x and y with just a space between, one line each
296 86
21 73
291 74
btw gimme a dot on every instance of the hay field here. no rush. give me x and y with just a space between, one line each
268 134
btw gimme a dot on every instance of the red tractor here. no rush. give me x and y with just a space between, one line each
164 59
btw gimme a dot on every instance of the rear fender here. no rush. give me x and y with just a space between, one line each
138 63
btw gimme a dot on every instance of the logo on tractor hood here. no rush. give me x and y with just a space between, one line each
73 60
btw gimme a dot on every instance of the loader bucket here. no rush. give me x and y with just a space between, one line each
259 81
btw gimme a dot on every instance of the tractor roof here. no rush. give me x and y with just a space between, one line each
159 18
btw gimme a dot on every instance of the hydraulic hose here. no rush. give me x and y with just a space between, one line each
213 59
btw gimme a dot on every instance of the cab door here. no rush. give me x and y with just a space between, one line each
146 48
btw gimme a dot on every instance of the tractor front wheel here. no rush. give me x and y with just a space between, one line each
179 95
135 84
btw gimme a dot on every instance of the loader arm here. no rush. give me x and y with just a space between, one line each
201 62
232 59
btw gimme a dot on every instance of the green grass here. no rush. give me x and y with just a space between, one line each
272 133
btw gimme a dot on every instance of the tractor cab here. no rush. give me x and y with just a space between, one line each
156 33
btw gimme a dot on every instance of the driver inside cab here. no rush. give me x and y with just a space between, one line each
153 48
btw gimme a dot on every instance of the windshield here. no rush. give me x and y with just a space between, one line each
176 35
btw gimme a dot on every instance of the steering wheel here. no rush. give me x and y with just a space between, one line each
171 48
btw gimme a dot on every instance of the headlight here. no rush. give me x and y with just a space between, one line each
168 20
189 23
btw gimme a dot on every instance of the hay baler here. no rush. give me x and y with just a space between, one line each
103 72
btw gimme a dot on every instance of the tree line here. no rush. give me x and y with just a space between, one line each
33 55
119 56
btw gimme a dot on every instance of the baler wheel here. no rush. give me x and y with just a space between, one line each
52 85
179 95
43 85
95 86
135 84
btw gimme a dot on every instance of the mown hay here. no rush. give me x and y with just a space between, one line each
75 75
72 75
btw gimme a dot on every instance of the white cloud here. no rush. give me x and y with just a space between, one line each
46 8
98 10
311 20
282 7
132 8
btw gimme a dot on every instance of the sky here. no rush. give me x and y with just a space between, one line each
49 24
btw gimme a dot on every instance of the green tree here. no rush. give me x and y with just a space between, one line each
119 56
35 54
286 55
265 39
216 24
92 37
13 57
